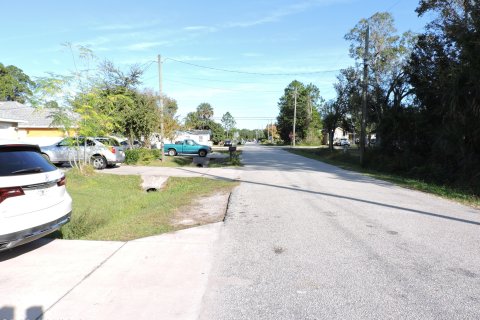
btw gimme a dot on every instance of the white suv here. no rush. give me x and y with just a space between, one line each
33 199
101 152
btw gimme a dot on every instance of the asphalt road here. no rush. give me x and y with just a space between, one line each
306 240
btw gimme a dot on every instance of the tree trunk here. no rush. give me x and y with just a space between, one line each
330 138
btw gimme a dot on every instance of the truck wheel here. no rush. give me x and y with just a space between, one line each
172 152
202 153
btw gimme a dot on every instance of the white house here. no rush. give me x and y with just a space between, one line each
28 124
200 136
338 134
9 128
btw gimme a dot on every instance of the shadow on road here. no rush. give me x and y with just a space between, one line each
25 248
32 313
431 214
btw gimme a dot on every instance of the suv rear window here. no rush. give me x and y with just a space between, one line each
109 142
22 160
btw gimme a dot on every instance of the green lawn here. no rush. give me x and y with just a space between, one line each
111 207
186 161
351 161
177 161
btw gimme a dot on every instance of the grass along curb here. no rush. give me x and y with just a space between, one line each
187 161
351 162
110 207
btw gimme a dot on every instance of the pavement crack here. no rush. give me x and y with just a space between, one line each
226 209
41 316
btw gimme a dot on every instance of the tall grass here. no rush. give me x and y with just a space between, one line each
110 207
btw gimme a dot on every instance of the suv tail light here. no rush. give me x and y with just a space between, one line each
112 149
10 192
62 181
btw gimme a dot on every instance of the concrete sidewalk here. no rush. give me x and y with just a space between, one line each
160 277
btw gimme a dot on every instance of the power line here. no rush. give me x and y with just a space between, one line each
253 73
148 66
248 118
394 5
216 88
216 80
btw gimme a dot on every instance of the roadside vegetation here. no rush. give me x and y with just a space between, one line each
111 207
233 160
151 157
420 93
350 160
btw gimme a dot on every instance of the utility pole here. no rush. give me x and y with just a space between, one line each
364 98
295 116
271 128
162 156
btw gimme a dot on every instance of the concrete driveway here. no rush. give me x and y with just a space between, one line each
160 277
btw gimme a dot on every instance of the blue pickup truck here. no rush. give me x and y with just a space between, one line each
187 146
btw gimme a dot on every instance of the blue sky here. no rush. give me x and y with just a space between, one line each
256 36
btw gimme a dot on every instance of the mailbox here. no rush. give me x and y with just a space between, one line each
232 149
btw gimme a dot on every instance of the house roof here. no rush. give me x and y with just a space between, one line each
196 132
28 117
11 120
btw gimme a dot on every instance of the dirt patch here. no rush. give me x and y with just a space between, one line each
205 210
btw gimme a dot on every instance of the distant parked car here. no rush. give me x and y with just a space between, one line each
100 151
33 199
187 146
135 145
227 143
342 142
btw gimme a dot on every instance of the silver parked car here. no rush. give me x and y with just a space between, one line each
100 151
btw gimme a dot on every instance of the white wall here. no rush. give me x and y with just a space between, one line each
202 139
7 130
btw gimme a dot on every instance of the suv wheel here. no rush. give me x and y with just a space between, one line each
99 162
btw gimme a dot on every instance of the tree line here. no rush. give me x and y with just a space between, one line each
98 98
423 96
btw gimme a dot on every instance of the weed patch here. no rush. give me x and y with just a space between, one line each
110 207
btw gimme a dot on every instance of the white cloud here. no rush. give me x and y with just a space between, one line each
56 62
192 58
200 28
114 27
125 26
282 12
252 54
95 42
141 46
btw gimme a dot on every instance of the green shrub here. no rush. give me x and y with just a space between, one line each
144 156
81 225
132 156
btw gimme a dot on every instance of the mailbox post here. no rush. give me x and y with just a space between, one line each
232 149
